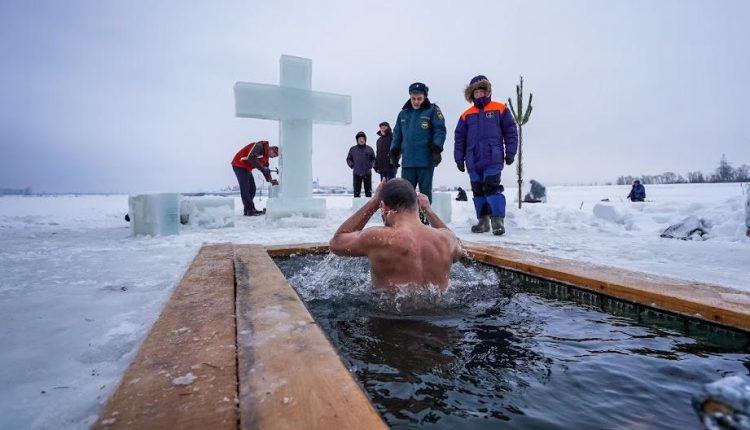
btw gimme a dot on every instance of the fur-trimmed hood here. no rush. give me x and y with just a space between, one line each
483 84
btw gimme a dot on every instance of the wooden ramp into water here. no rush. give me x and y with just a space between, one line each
190 374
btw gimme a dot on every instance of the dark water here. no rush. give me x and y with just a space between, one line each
499 350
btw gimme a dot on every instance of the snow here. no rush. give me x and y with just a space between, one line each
184 379
731 403
78 292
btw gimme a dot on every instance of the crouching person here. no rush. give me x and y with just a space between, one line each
637 192
486 137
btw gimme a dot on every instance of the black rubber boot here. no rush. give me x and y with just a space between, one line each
483 226
498 225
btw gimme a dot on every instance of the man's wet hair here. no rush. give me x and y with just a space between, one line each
399 194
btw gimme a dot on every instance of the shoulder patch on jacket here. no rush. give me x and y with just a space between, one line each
439 113
468 112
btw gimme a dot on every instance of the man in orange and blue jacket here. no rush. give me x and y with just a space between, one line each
486 137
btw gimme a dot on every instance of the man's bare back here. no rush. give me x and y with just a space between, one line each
404 252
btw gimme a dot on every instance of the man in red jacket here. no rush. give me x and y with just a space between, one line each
253 156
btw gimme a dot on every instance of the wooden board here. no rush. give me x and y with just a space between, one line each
298 248
703 301
194 334
290 375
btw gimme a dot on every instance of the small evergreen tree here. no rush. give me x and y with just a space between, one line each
521 118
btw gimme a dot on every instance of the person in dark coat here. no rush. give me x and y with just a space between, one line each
253 156
461 197
383 163
537 194
486 137
418 136
637 192
361 159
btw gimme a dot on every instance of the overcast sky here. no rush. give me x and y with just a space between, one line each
137 96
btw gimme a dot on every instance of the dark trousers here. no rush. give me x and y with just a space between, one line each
367 180
421 176
247 188
388 175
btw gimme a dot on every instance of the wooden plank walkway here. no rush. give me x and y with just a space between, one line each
185 374
698 300
290 375
194 336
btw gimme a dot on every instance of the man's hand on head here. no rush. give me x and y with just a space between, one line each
424 202
378 189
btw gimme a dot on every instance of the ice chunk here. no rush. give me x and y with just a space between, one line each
442 205
281 207
154 214
608 212
724 404
207 211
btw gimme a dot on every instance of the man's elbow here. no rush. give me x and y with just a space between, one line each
336 247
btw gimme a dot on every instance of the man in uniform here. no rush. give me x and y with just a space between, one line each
418 138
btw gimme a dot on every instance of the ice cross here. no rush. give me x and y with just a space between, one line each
296 107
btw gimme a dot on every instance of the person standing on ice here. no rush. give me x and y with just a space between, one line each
383 164
418 138
361 158
255 155
637 192
486 137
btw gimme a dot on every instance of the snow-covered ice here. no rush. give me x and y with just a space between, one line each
78 292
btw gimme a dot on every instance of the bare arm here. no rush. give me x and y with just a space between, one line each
350 239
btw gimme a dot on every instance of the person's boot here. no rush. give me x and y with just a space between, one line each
498 225
483 226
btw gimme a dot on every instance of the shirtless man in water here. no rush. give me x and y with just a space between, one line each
404 251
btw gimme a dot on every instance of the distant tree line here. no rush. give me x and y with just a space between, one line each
723 173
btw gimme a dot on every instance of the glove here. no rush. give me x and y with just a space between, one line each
461 166
265 170
509 159
395 155
436 158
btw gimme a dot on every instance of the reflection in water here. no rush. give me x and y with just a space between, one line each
499 349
